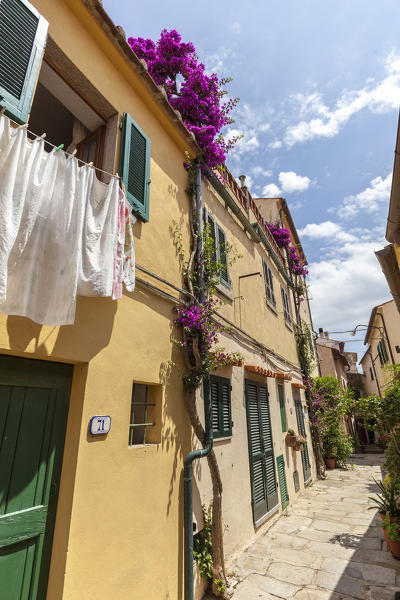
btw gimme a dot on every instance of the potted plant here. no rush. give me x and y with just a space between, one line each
391 527
300 441
387 501
290 438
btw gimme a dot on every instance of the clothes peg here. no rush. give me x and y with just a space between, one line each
42 136
90 164
74 152
60 147
24 126
3 110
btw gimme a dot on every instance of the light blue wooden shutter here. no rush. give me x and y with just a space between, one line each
23 33
135 167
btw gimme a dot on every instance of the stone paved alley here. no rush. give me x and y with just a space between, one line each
329 547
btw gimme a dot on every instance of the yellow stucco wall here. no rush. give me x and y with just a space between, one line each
120 516
119 522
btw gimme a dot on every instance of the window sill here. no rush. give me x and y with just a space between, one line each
271 307
289 325
226 438
221 289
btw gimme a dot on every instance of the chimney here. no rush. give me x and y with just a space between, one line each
242 179
326 334
245 192
320 332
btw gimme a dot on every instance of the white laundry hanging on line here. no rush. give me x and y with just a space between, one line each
54 230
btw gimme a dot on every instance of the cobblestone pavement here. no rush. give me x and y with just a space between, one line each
329 547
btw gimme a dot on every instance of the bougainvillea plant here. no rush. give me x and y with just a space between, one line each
282 237
198 98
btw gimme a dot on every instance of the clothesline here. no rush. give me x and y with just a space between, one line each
58 147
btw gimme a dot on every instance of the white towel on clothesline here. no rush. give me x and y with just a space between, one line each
59 231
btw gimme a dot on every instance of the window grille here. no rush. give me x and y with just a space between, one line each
139 421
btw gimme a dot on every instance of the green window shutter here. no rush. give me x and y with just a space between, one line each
268 447
211 224
222 256
256 458
135 167
286 307
221 406
269 285
282 406
23 33
302 430
280 463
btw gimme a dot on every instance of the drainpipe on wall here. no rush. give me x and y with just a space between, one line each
208 441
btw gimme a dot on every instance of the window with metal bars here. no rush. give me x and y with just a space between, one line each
143 426
221 406
219 243
269 285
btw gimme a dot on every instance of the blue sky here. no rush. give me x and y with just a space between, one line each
319 88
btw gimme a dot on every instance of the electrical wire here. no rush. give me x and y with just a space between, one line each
67 153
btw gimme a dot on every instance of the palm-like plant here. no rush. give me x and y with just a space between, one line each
387 500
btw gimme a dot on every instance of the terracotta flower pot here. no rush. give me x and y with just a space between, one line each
330 463
395 548
290 440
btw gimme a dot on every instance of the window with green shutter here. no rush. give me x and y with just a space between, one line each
261 451
382 352
280 463
135 167
269 285
219 245
221 406
281 396
23 33
286 307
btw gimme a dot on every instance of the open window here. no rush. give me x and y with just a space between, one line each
66 118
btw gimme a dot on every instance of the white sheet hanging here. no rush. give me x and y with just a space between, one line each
56 230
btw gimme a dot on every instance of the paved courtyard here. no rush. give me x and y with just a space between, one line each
329 547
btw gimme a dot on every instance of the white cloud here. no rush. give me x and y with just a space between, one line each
275 144
344 289
291 182
369 200
260 171
326 230
264 127
235 27
271 191
382 96
247 143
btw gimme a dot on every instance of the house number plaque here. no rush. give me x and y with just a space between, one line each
99 425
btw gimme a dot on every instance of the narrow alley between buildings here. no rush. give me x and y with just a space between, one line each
329 546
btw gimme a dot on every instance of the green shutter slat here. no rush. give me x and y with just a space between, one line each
211 225
282 406
214 406
135 167
302 430
221 406
280 462
223 259
260 450
22 40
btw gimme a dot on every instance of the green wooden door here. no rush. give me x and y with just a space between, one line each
34 398
261 453
305 459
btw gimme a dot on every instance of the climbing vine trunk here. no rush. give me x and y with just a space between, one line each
218 567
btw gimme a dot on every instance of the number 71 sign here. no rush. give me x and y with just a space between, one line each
100 425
